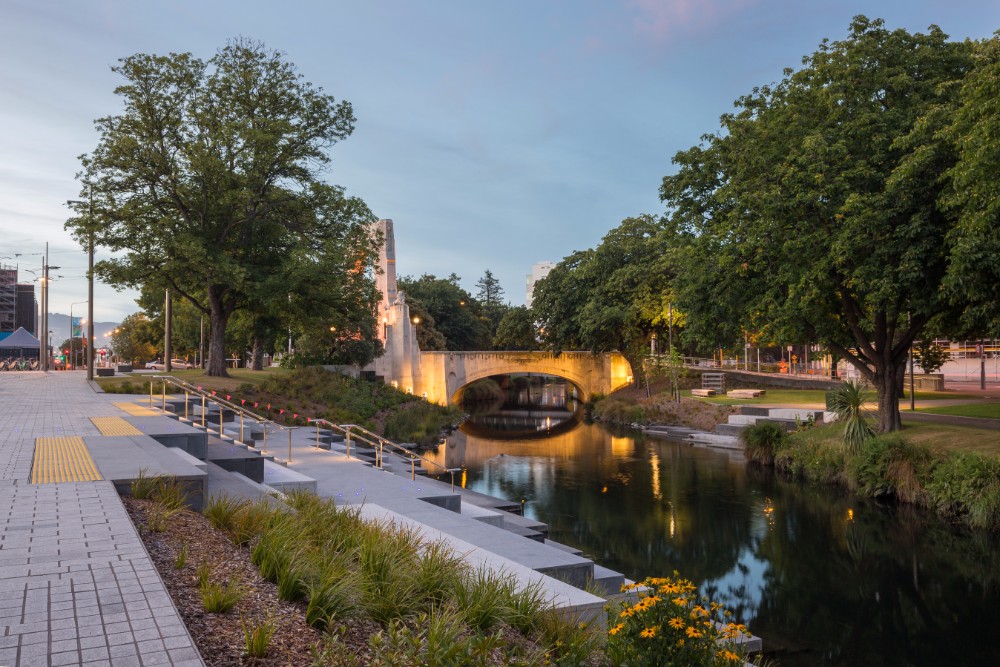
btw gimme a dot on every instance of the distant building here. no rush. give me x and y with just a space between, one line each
26 309
538 271
8 297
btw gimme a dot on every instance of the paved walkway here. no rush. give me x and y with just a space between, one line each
76 584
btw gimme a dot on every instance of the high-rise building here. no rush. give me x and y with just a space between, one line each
538 271
26 309
8 297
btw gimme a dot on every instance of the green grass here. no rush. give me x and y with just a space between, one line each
939 438
982 410
815 397
196 376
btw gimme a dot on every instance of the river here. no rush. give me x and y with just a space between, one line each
823 577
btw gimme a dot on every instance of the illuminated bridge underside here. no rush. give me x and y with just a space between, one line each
441 374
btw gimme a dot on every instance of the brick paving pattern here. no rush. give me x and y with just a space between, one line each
76 584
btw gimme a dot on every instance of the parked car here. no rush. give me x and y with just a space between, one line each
175 364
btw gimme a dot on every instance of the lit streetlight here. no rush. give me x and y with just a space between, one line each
71 328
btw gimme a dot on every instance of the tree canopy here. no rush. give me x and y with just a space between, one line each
816 207
208 182
612 297
454 313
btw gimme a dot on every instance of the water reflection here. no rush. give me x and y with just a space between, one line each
825 578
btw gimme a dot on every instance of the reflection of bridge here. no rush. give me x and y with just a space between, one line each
438 376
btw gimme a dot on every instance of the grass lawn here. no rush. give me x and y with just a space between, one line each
984 410
940 438
237 377
817 397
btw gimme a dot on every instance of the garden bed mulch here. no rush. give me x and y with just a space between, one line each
219 637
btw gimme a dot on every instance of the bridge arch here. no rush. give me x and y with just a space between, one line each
443 374
456 393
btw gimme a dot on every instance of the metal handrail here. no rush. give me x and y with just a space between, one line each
379 443
222 403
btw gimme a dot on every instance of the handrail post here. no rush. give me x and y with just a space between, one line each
264 449
187 397
348 441
221 420
413 469
289 445
163 405
241 427
203 412
452 480
151 392
317 435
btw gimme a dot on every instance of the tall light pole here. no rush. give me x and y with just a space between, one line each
89 350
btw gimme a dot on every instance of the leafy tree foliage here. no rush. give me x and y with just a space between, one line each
974 270
133 340
208 182
517 330
930 356
452 310
612 297
816 210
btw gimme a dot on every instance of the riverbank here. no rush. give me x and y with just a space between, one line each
950 468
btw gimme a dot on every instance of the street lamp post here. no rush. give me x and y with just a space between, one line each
89 349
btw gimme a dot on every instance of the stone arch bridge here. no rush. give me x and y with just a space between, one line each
442 374
438 376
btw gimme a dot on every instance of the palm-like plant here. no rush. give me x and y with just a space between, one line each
848 402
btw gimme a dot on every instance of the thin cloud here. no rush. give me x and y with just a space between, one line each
662 20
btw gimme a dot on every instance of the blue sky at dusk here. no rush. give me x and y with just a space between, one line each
494 134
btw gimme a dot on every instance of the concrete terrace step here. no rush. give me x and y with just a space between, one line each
716 440
730 429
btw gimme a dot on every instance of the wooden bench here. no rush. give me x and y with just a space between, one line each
745 393
703 392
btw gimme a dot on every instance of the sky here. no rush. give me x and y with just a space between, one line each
494 134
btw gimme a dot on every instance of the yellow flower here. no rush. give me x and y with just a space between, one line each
615 630
694 633
676 623
697 611
728 655
628 611
681 601
648 632
680 642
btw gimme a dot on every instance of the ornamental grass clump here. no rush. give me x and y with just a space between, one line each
848 402
663 621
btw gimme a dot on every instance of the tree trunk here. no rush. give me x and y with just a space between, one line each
258 353
217 341
888 383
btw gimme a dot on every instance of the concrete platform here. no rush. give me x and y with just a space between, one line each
121 459
283 479
570 601
172 433
235 458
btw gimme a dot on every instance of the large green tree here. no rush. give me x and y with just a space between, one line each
208 180
456 315
612 297
974 271
517 330
816 206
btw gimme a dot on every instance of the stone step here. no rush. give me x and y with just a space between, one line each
730 429
716 440
606 581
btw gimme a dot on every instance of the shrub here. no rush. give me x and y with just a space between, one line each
889 466
483 597
257 638
143 486
219 599
617 410
221 510
968 484
848 402
762 440
665 622
812 461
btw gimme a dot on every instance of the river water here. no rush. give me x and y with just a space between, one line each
823 577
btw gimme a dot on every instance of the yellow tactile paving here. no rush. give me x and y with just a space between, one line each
137 410
114 426
63 459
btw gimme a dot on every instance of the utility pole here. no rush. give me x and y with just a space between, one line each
89 348
167 334
43 352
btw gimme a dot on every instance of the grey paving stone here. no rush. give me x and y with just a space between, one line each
100 653
67 658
